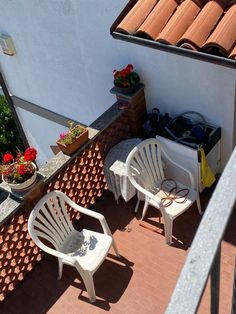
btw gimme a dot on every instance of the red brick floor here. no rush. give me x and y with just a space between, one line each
142 281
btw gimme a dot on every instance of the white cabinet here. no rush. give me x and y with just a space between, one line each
188 157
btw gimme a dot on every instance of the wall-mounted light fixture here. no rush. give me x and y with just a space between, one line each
7 45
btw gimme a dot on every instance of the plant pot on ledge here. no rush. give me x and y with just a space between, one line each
19 172
127 90
126 81
69 146
22 186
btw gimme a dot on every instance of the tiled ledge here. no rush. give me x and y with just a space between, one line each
8 206
13 201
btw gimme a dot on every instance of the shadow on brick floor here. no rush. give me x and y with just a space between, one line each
141 282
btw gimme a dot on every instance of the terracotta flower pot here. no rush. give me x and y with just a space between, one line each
20 187
78 142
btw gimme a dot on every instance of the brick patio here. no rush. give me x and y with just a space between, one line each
141 282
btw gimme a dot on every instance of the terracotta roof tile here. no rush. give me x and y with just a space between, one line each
205 25
158 18
179 22
233 53
223 37
136 16
197 34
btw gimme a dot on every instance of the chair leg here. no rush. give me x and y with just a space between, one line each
168 225
60 269
89 284
136 207
115 248
199 205
145 207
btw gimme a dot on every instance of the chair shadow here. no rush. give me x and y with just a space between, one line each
118 215
41 290
184 227
115 273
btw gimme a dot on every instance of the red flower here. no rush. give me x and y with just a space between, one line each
129 67
30 154
125 77
123 73
8 171
7 158
22 170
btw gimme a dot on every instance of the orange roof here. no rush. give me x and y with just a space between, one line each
199 25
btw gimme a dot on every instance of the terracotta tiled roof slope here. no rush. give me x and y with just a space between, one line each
200 25
233 53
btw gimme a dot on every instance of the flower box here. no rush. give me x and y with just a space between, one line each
70 148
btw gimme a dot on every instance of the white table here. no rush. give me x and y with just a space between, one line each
115 170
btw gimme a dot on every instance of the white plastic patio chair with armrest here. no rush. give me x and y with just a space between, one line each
145 171
85 250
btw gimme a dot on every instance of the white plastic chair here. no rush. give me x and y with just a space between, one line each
145 171
85 250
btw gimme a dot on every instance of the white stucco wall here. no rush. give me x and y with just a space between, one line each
65 57
41 133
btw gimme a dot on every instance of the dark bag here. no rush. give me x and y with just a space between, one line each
155 123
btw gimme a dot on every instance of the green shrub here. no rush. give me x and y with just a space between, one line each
9 136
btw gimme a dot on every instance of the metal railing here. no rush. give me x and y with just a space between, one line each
204 256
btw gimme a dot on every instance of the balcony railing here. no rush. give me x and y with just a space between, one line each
204 257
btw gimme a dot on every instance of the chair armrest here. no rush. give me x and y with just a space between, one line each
90 213
87 211
189 173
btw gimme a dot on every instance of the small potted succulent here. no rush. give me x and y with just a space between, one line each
19 172
126 80
73 139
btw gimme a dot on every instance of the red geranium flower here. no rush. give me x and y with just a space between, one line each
30 154
130 67
126 77
7 158
8 171
22 170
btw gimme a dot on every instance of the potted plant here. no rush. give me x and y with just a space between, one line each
74 138
126 80
19 172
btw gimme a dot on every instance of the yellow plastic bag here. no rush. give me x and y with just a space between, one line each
207 176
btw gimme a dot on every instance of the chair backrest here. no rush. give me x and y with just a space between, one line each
144 165
49 220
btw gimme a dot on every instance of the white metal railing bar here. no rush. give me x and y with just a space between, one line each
191 283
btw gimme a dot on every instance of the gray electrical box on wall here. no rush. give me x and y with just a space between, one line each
7 45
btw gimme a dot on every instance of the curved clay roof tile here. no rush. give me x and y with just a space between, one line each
197 34
136 16
233 53
179 22
189 45
223 37
157 19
